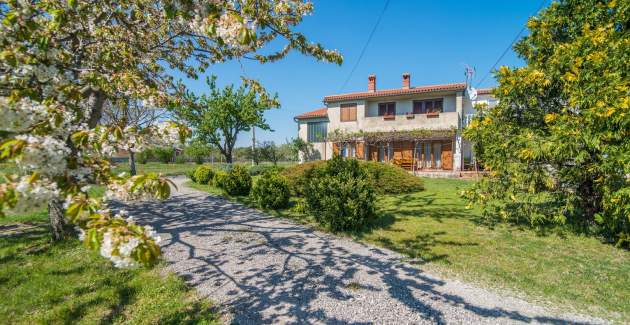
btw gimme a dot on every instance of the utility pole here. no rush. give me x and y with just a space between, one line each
253 145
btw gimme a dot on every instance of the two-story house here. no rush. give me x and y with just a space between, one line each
418 128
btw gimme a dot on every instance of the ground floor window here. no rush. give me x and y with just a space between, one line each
316 131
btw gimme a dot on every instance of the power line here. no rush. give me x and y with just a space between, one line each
542 4
378 21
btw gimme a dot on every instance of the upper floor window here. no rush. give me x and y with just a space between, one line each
348 112
428 106
386 109
316 131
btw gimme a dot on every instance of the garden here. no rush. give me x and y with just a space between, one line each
428 221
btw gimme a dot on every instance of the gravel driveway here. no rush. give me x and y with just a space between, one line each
262 270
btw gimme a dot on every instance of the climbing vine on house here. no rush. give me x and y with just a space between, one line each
387 136
557 145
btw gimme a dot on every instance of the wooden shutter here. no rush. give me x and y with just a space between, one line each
335 149
348 112
381 109
360 150
447 156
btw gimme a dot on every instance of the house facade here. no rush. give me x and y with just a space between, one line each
418 128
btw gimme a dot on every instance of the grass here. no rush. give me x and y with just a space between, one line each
65 283
433 228
172 169
155 167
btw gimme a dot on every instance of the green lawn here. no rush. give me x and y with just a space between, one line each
155 167
67 284
173 168
434 228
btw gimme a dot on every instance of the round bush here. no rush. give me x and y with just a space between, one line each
203 175
219 178
296 175
236 182
271 191
340 196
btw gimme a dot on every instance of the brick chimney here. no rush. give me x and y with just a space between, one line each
406 80
372 83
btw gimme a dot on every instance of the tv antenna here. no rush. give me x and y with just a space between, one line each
469 72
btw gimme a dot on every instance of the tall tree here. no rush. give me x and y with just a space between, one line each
218 117
557 146
62 60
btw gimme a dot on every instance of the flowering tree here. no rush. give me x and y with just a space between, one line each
557 146
136 118
61 61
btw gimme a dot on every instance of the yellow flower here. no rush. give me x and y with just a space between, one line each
569 76
549 118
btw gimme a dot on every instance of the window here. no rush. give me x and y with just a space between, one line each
428 106
348 112
386 109
316 131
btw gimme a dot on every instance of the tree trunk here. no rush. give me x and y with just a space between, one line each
132 163
56 218
228 158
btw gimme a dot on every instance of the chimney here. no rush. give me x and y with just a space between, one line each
372 83
406 80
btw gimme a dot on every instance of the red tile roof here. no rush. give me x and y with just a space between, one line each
320 112
484 91
395 92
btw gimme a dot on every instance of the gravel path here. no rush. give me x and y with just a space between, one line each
264 270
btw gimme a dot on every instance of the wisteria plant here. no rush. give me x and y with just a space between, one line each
62 61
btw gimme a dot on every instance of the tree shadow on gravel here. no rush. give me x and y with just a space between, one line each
263 269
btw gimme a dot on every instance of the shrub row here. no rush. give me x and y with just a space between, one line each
235 181
340 194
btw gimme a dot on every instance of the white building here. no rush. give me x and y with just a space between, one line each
417 128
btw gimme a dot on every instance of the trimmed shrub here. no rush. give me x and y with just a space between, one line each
271 191
203 174
219 178
340 196
296 175
386 178
391 179
236 182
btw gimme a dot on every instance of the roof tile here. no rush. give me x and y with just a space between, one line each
320 112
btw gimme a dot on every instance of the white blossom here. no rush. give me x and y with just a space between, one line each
33 194
44 154
20 116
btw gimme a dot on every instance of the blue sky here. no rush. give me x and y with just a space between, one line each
432 40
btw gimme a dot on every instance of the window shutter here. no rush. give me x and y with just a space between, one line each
381 109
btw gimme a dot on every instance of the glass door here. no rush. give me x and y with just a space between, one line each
437 155
427 156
